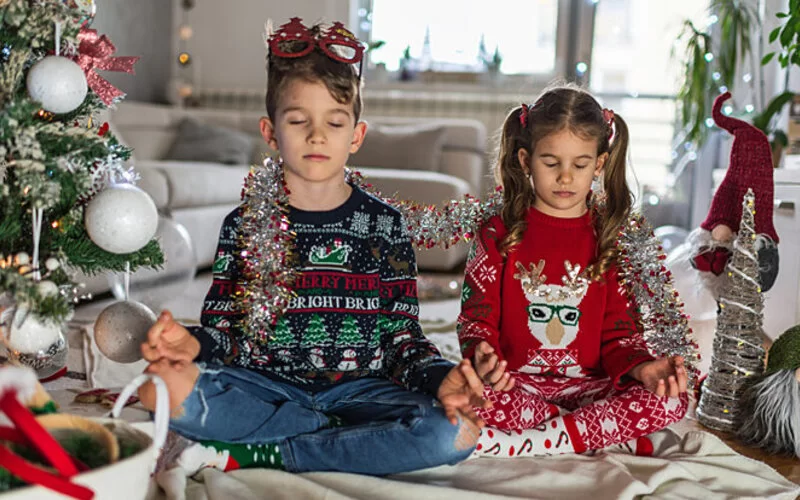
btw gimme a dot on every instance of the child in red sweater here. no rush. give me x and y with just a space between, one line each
543 318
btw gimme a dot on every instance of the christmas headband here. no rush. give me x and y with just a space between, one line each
336 42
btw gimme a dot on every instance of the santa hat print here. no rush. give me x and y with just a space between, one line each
750 167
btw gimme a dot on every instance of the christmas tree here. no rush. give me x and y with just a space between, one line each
738 354
61 168
283 333
316 333
349 333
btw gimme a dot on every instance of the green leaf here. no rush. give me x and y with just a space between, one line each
781 15
767 58
761 121
773 35
786 35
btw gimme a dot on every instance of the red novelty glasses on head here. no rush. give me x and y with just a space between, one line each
337 42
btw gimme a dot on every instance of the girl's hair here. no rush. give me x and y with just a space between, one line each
571 108
341 79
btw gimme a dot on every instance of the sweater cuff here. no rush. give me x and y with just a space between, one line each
433 375
619 364
208 348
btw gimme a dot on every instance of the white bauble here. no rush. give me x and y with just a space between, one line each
120 330
58 83
52 264
121 219
28 334
47 288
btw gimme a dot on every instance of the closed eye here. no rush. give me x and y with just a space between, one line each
296 122
581 166
551 165
336 125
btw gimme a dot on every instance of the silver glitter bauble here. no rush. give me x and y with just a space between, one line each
120 330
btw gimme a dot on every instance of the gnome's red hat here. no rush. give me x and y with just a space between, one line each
750 167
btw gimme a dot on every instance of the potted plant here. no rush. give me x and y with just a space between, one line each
788 35
713 58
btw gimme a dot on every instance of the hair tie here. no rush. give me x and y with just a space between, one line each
523 115
608 116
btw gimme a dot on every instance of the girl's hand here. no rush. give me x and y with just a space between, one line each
490 369
663 376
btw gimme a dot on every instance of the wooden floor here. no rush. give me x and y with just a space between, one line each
788 466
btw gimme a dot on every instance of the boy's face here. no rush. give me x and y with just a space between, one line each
313 133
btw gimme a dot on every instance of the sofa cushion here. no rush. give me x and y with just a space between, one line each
401 147
210 143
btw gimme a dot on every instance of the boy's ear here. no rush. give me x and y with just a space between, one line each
358 136
601 163
268 132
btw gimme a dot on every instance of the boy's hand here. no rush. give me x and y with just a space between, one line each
663 376
460 391
170 340
490 369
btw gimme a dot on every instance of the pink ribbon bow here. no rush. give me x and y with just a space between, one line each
95 53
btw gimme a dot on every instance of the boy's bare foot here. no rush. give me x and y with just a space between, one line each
179 378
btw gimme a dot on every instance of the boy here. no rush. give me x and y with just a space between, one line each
350 350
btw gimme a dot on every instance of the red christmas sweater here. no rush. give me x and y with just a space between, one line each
539 312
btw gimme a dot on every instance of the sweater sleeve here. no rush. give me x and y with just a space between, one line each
220 335
622 343
411 360
479 319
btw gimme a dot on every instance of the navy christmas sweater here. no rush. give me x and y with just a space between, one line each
355 313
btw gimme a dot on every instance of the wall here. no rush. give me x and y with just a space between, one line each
228 46
141 28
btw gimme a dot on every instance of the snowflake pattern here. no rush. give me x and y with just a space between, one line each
385 223
360 223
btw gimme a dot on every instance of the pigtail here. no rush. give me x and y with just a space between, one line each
517 191
612 213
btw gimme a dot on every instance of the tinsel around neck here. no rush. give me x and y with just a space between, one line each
269 261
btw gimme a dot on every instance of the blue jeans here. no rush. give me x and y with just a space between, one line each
388 428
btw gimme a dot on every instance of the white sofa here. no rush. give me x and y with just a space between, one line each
199 194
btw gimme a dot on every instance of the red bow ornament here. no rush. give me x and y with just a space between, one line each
95 52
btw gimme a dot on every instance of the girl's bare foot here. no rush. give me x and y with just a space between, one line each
179 378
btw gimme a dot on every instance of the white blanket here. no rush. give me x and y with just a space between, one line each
697 465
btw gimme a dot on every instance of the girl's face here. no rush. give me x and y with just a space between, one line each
563 166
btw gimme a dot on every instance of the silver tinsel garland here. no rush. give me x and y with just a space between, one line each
266 243
649 283
738 354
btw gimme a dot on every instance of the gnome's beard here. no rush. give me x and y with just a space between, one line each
700 241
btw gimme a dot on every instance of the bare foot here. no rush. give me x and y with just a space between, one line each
179 378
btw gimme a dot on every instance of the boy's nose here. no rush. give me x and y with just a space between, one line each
316 135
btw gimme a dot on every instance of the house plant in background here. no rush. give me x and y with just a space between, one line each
732 45
57 159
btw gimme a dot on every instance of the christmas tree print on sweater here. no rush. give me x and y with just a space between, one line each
553 316
349 332
316 333
283 333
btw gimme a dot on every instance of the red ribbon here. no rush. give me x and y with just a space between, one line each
95 52
711 260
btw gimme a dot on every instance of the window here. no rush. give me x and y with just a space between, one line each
456 35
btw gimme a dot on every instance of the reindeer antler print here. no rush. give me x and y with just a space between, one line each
533 279
575 280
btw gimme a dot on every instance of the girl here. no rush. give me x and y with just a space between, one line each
543 317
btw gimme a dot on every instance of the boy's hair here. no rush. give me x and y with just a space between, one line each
341 79
565 107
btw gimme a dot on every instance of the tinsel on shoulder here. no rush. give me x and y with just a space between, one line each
266 241
51 164
266 245
650 285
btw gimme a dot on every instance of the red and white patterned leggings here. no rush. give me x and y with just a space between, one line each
592 411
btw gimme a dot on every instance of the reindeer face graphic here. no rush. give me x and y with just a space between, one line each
553 316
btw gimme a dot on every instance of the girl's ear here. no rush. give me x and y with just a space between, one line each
268 132
601 163
524 158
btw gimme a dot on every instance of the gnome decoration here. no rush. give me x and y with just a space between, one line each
771 405
750 167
